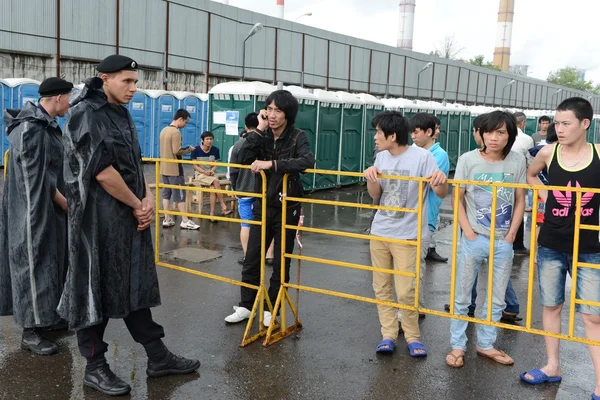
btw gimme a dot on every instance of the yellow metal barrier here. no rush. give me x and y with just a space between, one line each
262 295
284 297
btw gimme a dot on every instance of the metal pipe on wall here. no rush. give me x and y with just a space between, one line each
58 38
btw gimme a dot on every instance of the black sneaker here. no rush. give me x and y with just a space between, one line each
32 340
521 251
269 261
241 260
432 255
171 365
102 379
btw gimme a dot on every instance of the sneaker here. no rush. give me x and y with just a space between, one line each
240 314
433 255
269 261
33 341
171 365
267 319
241 260
189 224
167 223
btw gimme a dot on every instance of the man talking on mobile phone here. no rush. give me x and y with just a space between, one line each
275 147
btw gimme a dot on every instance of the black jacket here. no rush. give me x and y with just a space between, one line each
290 153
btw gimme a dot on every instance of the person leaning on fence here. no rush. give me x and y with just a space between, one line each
572 162
275 147
242 180
172 173
33 220
205 174
111 207
494 162
397 158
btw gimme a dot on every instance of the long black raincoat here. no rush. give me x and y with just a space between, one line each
33 229
113 271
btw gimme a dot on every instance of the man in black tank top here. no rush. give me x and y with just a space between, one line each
572 162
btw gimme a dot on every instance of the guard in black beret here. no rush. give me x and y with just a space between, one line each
116 63
34 176
104 177
54 86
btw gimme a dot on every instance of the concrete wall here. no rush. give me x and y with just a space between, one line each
195 44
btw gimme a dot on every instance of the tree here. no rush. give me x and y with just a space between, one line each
569 77
480 62
447 49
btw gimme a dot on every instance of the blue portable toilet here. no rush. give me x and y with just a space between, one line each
164 105
140 108
5 103
16 92
197 105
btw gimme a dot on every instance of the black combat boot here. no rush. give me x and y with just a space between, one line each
98 376
162 362
32 340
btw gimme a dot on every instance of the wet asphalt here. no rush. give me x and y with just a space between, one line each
333 357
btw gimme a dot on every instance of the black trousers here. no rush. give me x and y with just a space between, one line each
251 269
519 237
140 324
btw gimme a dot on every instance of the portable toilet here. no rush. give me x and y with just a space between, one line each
141 109
373 106
306 120
454 135
596 128
16 92
464 129
232 101
351 138
5 102
531 124
164 105
62 120
328 137
196 105
441 112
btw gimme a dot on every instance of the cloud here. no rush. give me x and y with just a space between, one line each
547 34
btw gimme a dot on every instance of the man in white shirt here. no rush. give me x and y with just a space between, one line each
522 145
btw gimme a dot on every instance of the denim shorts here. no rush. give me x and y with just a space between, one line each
245 209
175 195
553 267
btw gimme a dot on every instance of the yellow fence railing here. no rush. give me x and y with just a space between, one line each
276 331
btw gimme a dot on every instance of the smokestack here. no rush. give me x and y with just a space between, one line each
280 9
504 34
407 22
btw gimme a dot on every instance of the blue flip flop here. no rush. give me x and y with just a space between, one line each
540 377
414 346
391 345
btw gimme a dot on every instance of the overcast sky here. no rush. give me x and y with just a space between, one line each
547 34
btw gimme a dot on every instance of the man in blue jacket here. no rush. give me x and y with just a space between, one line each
423 130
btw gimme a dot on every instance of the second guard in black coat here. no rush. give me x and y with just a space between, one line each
110 210
33 221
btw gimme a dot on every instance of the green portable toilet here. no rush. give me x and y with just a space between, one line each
465 129
531 126
351 137
239 99
597 128
329 122
307 121
373 106
454 128
441 111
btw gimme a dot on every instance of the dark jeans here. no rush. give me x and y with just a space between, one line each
519 237
140 324
251 269
512 303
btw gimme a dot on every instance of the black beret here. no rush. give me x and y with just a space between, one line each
116 63
54 86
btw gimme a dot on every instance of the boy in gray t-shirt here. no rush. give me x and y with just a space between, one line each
494 162
397 158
